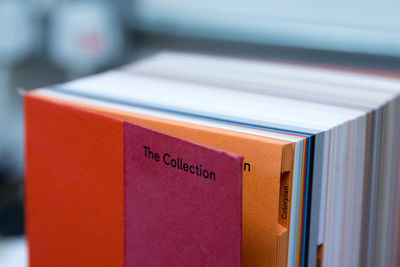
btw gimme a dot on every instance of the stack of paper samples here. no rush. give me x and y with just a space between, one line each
198 160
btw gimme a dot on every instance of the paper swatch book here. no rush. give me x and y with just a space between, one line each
127 194
261 224
191 160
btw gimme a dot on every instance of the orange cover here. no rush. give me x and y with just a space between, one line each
265 236
55 143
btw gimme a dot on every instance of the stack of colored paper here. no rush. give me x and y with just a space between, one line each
198 160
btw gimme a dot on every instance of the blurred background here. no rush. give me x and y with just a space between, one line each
44 42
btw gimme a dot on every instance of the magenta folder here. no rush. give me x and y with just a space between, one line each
183 202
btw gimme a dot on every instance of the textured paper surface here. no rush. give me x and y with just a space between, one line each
74 186
261 228
179 216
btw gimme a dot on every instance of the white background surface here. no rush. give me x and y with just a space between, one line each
13 252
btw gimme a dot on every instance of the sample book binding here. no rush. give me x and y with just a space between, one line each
197 160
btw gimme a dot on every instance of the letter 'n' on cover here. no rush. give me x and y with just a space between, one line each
183 202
